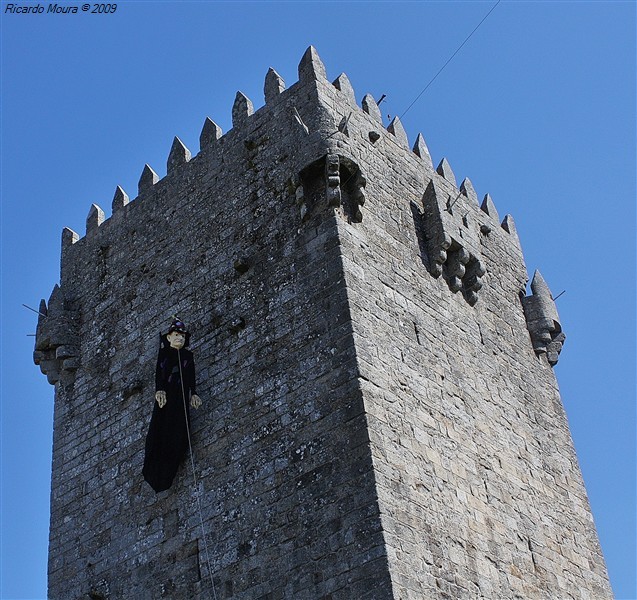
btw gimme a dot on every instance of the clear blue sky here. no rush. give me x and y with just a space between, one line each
538 109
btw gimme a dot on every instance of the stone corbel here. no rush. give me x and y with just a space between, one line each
341 185
542 320
57 340
345 186
452 245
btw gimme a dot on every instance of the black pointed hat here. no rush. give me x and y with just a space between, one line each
178 325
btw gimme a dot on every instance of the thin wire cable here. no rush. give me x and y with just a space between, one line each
430 82
450 58
35 311
194 477
427 86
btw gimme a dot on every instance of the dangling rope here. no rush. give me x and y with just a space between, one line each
194 477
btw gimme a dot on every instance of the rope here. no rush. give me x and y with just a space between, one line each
450 59
194 477
424 89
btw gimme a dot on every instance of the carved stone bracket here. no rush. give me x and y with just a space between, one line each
332 180
452 244
542 320
345 186
57 340
341 184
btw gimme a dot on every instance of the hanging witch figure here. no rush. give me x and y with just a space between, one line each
167 438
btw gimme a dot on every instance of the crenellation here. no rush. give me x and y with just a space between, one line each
178 155
68 240
94 219
488 207
420 149
371 108
466 187
69 237
396 128
241 110
120 200
273 85
42 310
311 67
210 133
343 84
147 180
508 224
444 169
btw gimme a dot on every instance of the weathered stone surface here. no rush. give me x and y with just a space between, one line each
311 67
95 218
489 207
371 108
421 149
210 133
273 86
147 180
179 155
120 199
444 169
343 84
367 432
241 109
396 127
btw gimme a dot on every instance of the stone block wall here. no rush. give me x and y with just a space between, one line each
479 487
378 421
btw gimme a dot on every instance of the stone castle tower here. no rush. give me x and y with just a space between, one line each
381 419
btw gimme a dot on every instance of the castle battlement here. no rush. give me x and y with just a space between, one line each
380 414
311 70
449 208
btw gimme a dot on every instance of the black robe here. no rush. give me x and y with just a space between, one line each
167 438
